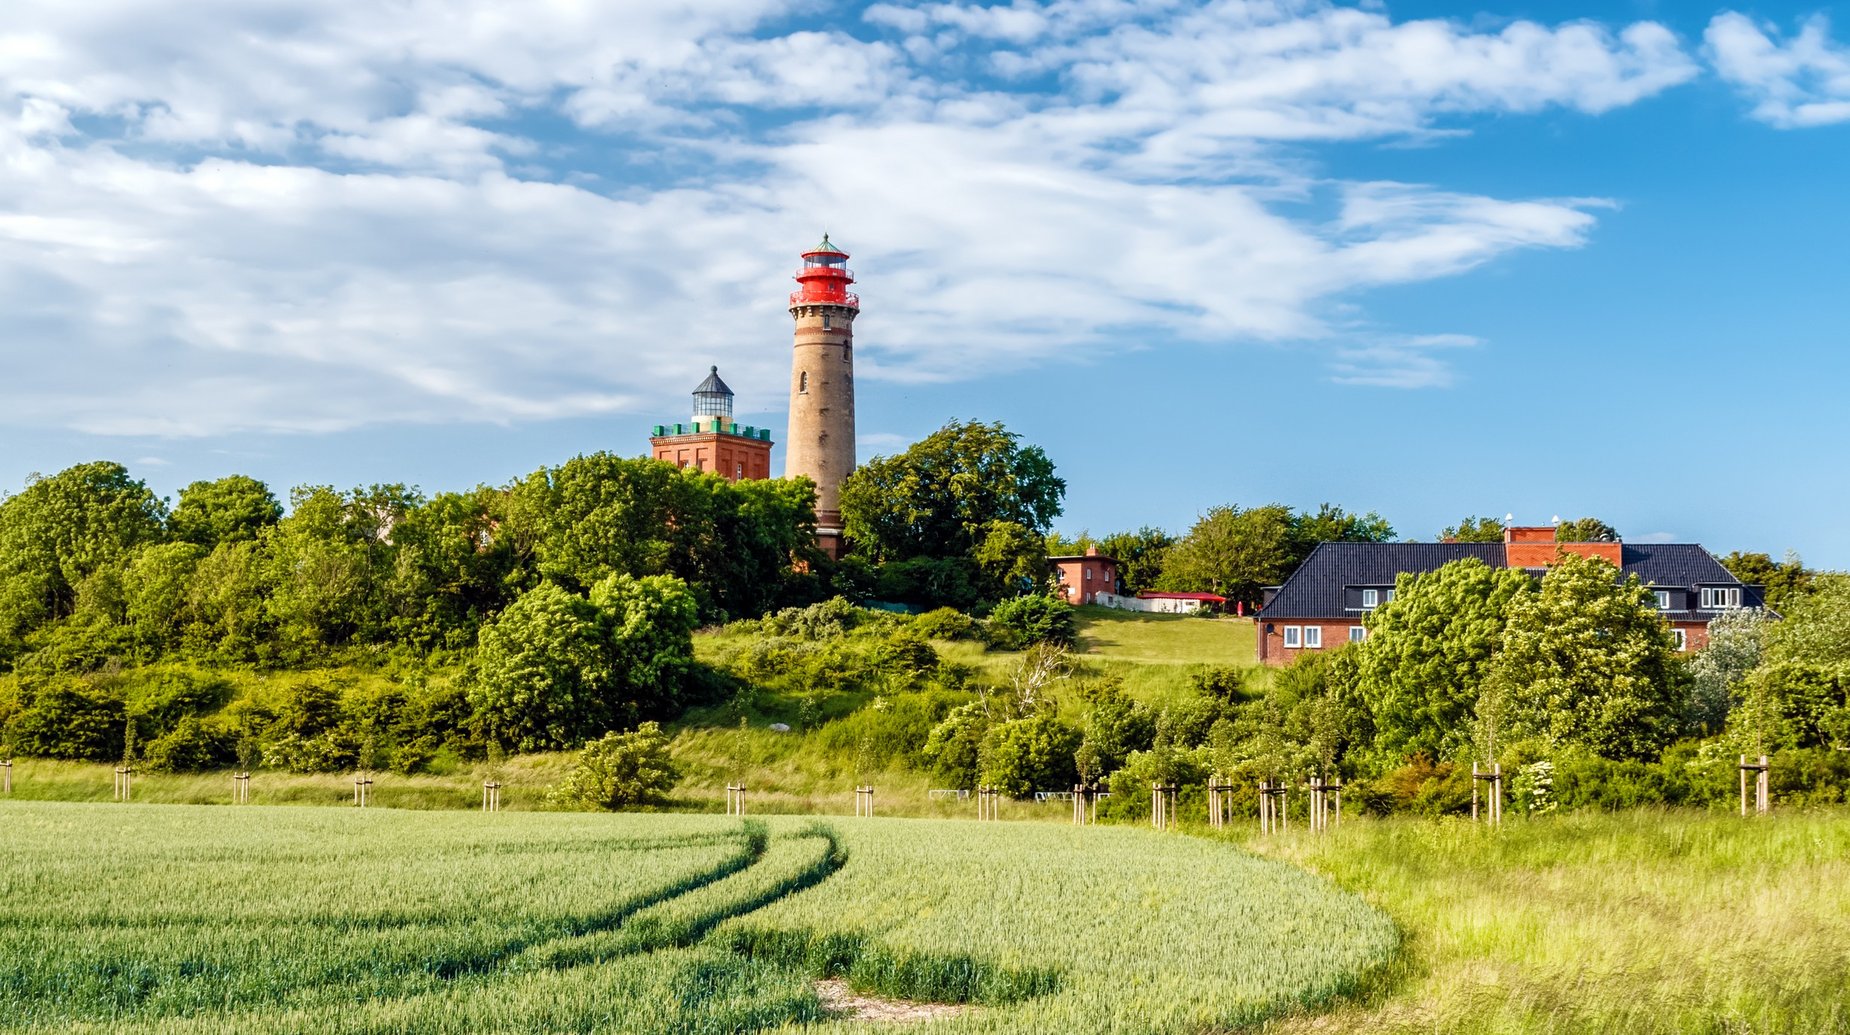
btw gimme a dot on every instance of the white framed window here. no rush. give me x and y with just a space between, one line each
1294 636
1721 596
1682 638
1357 634
1088 574
1390 594
1663 599
1371 598
1313 636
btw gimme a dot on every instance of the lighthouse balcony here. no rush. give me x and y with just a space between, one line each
847 298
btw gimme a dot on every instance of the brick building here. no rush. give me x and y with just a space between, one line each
1081 578
712 441
1323 603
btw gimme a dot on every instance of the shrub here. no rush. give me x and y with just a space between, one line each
1224 684
192 745
947 623
66 717
1024 621
619 770
830 619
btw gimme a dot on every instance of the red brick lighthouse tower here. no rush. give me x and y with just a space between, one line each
821 442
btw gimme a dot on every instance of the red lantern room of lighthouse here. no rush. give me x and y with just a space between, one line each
821 440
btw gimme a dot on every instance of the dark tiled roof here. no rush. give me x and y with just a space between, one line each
1315 590
1318 588
713 385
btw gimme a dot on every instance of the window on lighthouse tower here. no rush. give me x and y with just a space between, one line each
828 322
803 381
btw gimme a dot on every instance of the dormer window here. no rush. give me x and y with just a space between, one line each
1371 598
1663 599
1721 597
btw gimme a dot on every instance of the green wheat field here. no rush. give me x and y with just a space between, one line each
172 918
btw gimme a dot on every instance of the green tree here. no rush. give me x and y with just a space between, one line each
969 491
1588 661
1737 645
955 746
1140 555
647 627
618 771
1234 553
157 587
1816 627
234 509
1586 530
1333 524
1029 754
1784 581
59 532
452 567
1428 654
543 672
1474 529
1792 705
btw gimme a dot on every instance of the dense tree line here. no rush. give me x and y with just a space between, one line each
95 569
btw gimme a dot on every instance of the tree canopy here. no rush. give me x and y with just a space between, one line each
1474 529
969 494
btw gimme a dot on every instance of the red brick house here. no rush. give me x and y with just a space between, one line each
1079 579
1323 603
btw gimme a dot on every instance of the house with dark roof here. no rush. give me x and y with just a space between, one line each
1324 602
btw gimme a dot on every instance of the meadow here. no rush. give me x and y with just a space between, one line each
201 919
1643 921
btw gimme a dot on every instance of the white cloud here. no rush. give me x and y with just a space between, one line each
1804 81
217 216
1399 362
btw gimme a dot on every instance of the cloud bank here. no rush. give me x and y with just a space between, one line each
217 216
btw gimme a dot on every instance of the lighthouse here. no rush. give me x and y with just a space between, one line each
821 440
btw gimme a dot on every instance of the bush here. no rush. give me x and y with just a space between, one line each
1223 684
1024 621
831 619
66 717
1420 786
192 745
620 770
947 623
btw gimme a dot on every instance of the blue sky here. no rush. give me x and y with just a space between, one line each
1421 258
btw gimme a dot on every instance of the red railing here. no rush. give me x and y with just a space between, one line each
847 298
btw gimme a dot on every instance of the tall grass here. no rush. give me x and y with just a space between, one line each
1643 921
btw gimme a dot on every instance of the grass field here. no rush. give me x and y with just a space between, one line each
1643 921
196 919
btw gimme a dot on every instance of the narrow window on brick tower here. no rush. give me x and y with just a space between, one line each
803 381
828 322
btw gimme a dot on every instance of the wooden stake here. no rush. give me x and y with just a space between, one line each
988 804
240 788
491 796
863 801
1763 799
1162 805
1493 803
735 799
6 776
362 789
125 776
